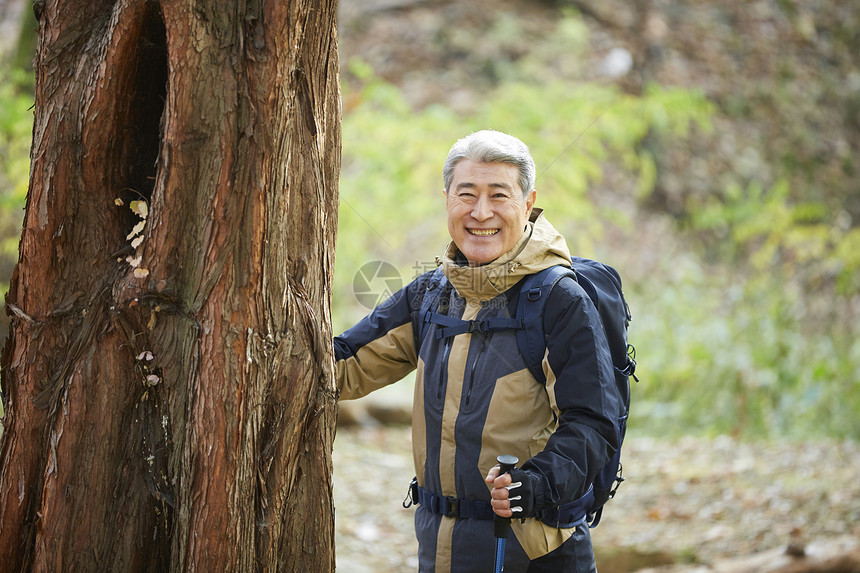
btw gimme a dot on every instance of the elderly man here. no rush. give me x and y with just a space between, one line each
475 397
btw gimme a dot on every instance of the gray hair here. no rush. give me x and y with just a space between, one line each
490 146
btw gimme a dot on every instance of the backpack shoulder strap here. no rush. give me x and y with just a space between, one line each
534 293
434 287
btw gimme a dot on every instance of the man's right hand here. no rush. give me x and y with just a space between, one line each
512 494
499 494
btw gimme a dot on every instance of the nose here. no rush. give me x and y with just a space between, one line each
482 210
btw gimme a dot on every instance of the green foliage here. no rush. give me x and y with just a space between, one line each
392 206
722 352
763 228
16 126
731 345
775 186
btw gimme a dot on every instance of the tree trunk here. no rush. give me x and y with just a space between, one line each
169 392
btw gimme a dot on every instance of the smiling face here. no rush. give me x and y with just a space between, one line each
487 211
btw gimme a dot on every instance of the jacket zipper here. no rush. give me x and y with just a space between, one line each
445 354
483 339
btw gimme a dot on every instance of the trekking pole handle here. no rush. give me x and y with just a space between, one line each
502 524
506 463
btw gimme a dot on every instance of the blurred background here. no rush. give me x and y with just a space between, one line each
709 150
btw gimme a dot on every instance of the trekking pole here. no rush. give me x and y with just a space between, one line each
502 524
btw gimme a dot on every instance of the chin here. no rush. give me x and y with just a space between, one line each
480 250
478 259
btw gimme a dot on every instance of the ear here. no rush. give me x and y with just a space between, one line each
530 202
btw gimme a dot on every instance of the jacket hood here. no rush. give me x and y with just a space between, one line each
540 247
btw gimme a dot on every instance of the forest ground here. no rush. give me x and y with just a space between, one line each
692 499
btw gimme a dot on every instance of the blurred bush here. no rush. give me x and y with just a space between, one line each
743 293
392 205
723 347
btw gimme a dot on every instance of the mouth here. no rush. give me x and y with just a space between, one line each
483 232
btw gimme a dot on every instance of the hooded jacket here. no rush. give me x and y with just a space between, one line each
475 398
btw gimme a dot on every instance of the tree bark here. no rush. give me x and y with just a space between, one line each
169 394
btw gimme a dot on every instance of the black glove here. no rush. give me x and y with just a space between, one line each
521 493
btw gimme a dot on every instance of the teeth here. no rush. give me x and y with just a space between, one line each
483 232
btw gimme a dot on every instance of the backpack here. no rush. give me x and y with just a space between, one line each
602 284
